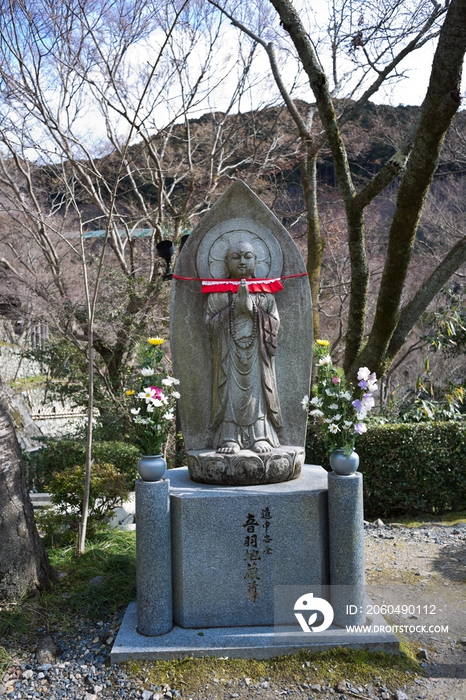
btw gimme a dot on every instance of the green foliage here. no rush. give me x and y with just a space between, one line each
424 409
59 468
408 468
447 324
108 489
64 454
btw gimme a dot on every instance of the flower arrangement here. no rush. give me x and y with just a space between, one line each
151 401
338 412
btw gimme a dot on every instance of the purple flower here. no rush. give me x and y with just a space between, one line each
363 384
360 428
357 405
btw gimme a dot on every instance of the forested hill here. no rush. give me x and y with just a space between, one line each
185 167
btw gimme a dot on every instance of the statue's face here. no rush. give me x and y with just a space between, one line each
241 260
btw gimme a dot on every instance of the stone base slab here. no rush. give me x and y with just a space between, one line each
240 642
246 468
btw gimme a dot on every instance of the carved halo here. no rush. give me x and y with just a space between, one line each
213 247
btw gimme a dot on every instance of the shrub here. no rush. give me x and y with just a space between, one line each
408 468
108 488
64 454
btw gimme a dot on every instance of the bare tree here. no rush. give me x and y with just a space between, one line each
83 211
377 39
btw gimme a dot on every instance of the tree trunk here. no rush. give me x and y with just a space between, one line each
24 565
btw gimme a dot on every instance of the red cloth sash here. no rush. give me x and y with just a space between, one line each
268 284
254 285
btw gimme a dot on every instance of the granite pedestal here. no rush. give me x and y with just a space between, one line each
232 549
232 545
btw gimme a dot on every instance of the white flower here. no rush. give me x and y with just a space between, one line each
337 416
168 415
157 403
147 371
176 394
363 373
329 392
135 411
348 424
368 402
169 381
360 415
325 360
316 413
345 395
333 428
316 401
150 407
146 393
305 402
333 407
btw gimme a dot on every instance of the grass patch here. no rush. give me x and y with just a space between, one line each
5 660
331 667
456 518
32 382
111 555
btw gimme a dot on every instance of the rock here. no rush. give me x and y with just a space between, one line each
385 696
147 695
46 652
264 684
378 523
463 641
97 581
28 674
401 695
317 687
341 687
247 681
423 654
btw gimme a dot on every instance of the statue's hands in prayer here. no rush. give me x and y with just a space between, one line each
243 302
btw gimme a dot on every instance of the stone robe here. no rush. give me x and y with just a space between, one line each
245 407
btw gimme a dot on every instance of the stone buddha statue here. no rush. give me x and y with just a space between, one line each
242 328
243 366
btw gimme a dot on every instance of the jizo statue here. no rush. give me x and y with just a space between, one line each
241 331
243 327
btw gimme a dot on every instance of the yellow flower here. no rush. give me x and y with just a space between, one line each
324 343
156 341
130 392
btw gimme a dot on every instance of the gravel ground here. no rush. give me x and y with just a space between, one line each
421 566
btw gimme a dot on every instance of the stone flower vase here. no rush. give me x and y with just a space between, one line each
152 467
343 465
